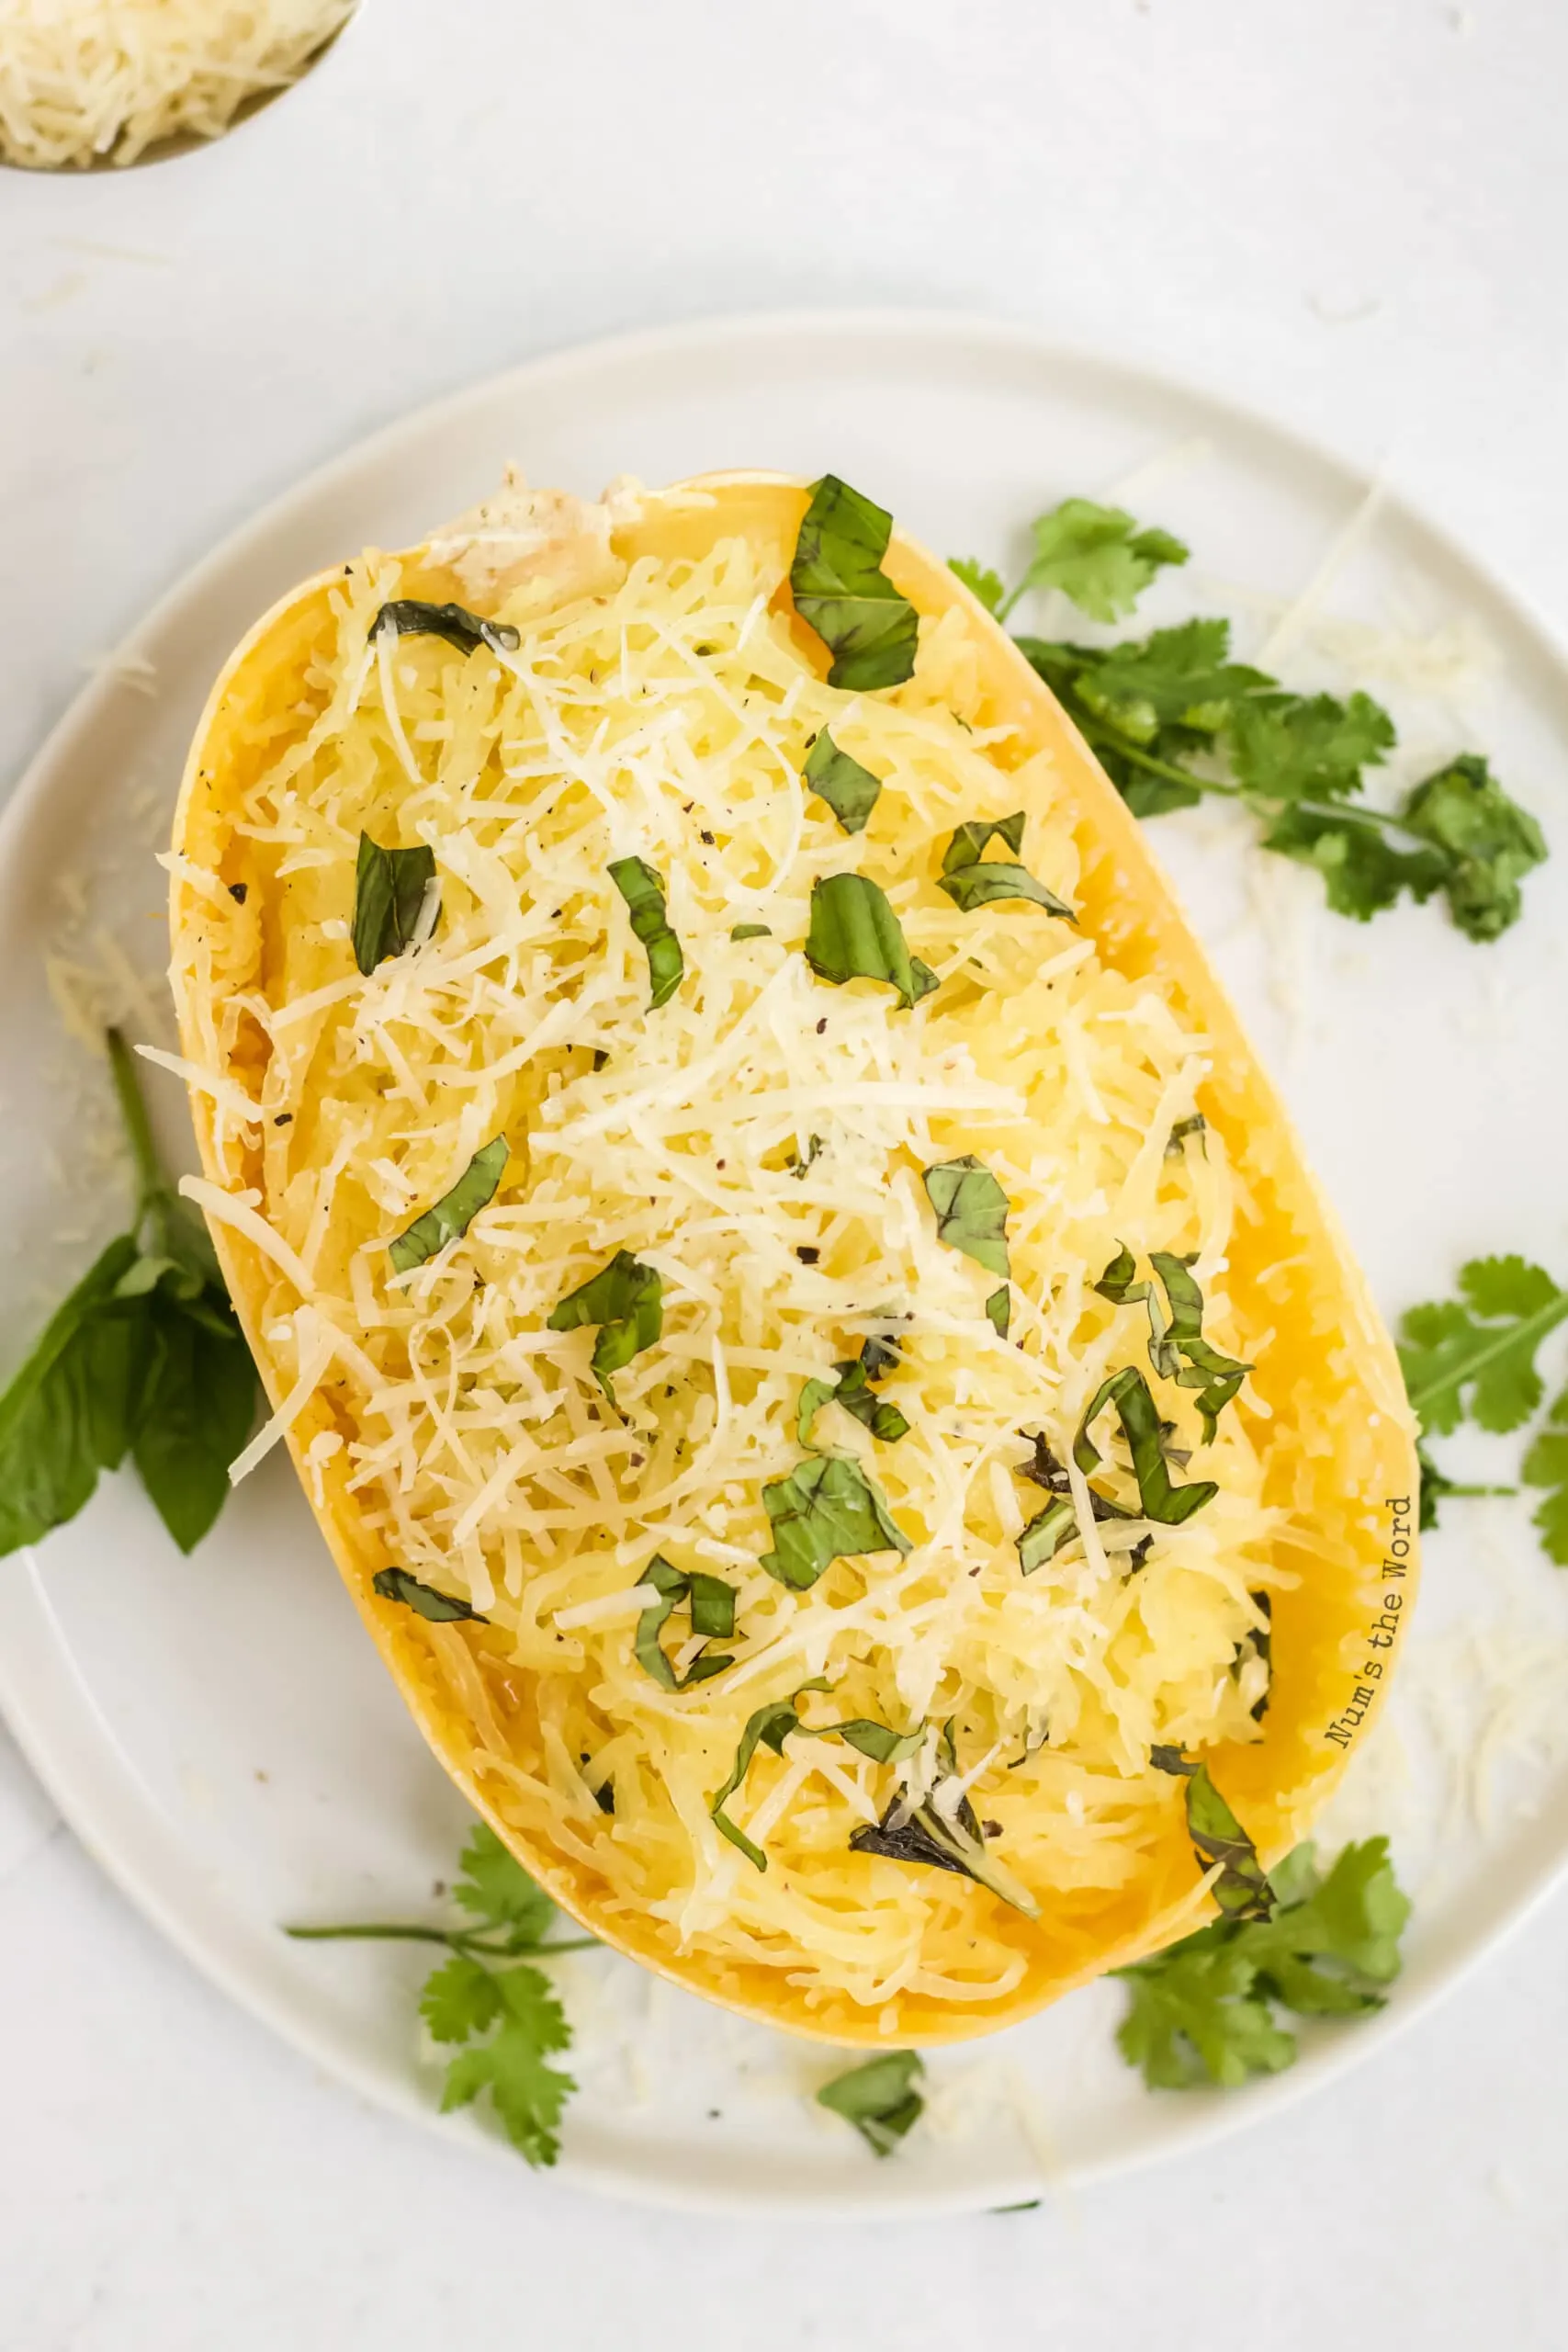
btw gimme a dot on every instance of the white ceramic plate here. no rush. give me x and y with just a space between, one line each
218 1731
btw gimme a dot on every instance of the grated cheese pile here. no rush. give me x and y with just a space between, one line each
86 80
759 1140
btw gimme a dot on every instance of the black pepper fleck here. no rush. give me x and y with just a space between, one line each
284 1119
808 1255
707 837
237 892
822 1026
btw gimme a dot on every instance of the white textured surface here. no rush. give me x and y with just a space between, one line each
1348 210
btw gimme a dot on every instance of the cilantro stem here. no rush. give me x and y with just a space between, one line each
455 1938
1114 740
1509 1336
150 1177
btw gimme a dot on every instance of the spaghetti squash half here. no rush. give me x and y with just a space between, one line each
806 1331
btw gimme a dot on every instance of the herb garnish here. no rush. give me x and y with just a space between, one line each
1176 1331
942 1831
626 1299
826 1509
850 791
1203 2009
407 616
772 1724
879 2098
643 891
971 879
855 934
1045 1535
850 1387
449 1218
971 1211
510 2016
439 1607
1096 555
1476 1355
712 1603
1159 1498
751 931
841 590
389 888
144 1357
1242 1888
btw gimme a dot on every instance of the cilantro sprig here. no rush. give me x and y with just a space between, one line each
504 2022
144 1357
1475 1356
1204 2009
1096 555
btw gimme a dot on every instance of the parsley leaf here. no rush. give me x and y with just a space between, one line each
712 1603
389 888
841 590
626 1299
145 1356
1476 1354
879 2098
855 934
850 791
970 1210
407 616
1488 841
438 1607
972 880
1097 555
449 1218
850 1387
1203 2009
826 1509
979 580
1242 1888
1160 1498
643 891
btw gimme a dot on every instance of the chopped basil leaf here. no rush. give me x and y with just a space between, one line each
1242 1888
1045 1535
1258 1643
713 1616
643 891
879 2098
407 616
973 880
452 1214
850 1387
1217 1376
626 1299
440 1607
798 1167
998 1307
850 790
945 1840
390 885
971 1211
1196 1125
145 1356
1160 1498
751 931
769 1727
1116 1282
841 590
855 935
826 1509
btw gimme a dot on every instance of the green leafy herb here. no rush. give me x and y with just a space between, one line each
1097 555
798 1166
854 935
971 879
971 1211
751 931
626 1299
510 2016
1476 1354
1216 1377
1545 1464
712 1603
1045 1535
879 2098
770 1726
1204 2010
1488 842
440 1607
945 1836
449 1217
144 1357
643 891
998 1310
1295 747
1197 1126
841 590
389 888
826 1509
980 580
850 1387
850 790
407 616
1159 1498
1242 1888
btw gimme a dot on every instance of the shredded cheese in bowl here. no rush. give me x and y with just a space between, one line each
548 1187
84 82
